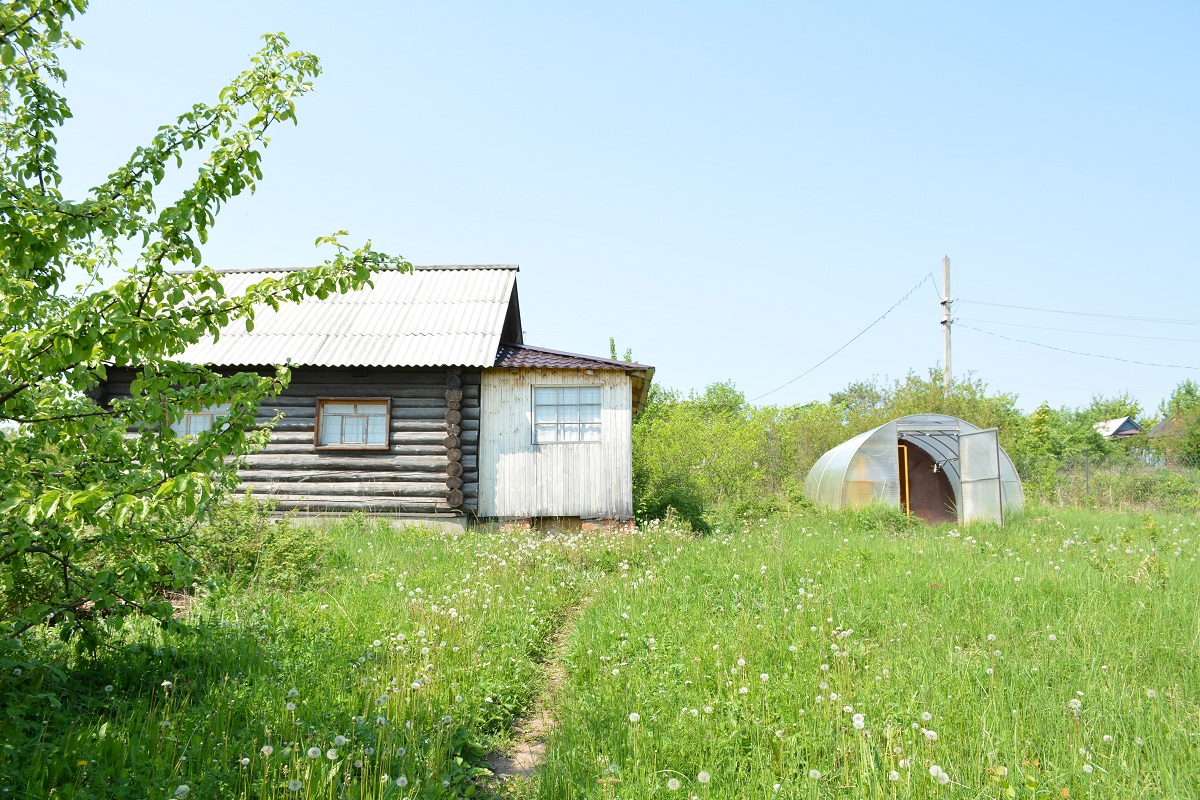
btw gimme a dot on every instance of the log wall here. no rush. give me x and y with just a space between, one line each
430 467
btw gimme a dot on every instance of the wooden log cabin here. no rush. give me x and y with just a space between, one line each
418 397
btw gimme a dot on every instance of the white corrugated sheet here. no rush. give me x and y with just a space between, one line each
429 317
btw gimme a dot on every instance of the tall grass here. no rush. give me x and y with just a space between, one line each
1055 657
415 648
1058 654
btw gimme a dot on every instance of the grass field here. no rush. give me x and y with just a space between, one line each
1056 657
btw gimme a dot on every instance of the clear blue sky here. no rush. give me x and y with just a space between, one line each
732 190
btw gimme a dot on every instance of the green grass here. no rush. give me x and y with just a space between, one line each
419 648
1106 605
731 653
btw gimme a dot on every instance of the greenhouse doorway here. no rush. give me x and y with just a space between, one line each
925 490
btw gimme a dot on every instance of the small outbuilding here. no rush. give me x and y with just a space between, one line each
936 467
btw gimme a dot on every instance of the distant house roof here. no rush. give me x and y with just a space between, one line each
1118 428
1167 427
453 315
523 356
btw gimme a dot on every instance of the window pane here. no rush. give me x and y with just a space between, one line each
545 414
373 409
589 395
591 433
568 433
568 413
544 395
331 429
337 408
375 429
545 433
568 395
589 413
196 423
354 430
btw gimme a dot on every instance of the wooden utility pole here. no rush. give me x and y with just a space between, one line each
947 374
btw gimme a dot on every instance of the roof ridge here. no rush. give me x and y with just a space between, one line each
416 267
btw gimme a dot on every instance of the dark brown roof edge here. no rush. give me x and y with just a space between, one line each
625 365
642 375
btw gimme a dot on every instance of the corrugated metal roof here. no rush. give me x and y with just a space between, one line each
434 316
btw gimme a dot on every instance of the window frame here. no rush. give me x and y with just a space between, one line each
216 416
320 417
188 416
533 404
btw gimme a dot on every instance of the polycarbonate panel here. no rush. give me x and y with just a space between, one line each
979 463
981 501
873 475
857 472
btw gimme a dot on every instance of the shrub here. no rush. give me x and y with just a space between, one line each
243 542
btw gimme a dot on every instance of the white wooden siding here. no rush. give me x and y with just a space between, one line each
518 478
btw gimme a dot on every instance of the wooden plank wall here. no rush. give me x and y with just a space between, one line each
422 472
518 478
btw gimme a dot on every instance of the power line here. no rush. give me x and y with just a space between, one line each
1074 330
1083 313
928 277
1076 352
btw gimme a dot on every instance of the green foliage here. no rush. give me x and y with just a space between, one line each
1180 441
84 506
612 351
715 456
242 542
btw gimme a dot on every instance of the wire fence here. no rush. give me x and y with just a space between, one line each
1141 484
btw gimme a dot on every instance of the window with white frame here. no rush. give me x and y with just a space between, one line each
566 414
193 423
360 424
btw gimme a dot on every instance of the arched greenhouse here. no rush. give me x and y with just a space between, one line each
933 466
